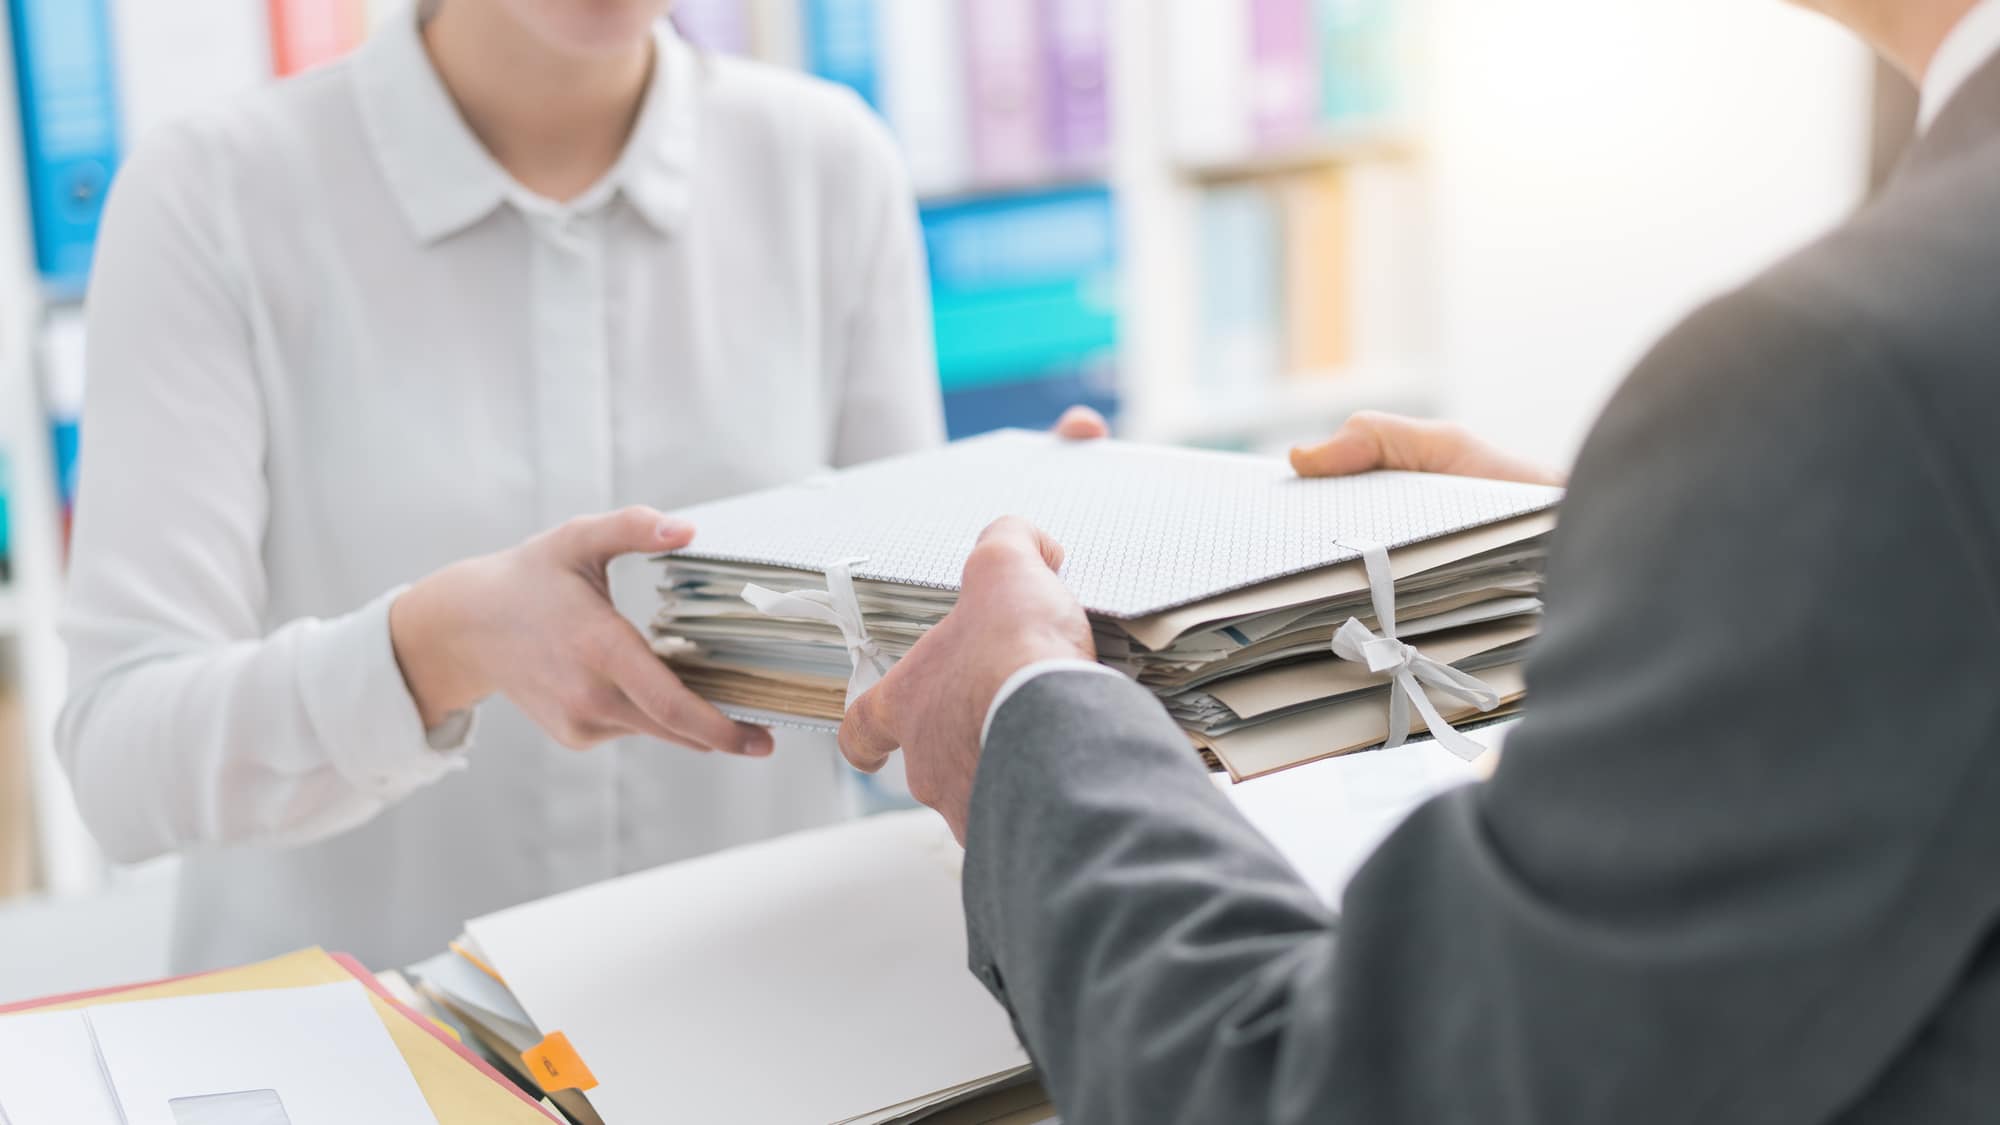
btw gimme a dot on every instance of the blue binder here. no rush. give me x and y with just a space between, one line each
6 522
1033 403
843 44
1024 288
65 71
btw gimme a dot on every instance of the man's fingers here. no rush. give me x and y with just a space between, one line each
656 691
1356 448
1373 440
627 531
867 737
1016 534
1081 423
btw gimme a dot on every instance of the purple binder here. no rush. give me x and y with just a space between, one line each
1284 70
1076 38
1003 48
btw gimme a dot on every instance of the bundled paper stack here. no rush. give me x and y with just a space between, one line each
1280 620
815 978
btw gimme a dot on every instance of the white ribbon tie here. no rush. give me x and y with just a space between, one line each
839 607
1407 669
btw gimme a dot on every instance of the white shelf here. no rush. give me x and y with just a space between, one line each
1330 147
10 612
1298 406
976 191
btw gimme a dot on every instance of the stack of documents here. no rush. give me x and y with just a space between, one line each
307 1039
1279 620
817 978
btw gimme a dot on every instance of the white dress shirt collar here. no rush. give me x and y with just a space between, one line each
1969 47
445 180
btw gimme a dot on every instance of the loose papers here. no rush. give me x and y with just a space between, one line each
320 1053
817 978
1219 581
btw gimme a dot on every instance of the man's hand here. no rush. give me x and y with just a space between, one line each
1012 612
1373 440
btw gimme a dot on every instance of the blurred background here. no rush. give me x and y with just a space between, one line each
1223 222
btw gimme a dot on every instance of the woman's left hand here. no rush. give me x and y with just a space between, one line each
1081 423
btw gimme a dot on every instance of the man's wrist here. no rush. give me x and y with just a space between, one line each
1028 673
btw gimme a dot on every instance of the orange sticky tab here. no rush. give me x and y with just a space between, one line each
476 962
556 1066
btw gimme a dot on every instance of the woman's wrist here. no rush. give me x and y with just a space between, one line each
428 627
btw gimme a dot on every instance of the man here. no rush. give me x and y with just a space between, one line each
1739 864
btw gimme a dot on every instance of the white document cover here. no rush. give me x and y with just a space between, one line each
320 1052
1146 528
813 978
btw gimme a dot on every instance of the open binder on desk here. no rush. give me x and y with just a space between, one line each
816 978
1280 620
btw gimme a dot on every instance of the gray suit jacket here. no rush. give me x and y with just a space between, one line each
1742 861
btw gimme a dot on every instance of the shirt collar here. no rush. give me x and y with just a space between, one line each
445 180
1971 45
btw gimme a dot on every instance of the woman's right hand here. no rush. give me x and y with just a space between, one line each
536 624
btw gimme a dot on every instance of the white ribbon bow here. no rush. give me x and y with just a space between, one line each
1408 670
838 607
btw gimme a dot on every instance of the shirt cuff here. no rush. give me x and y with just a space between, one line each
361 707
454 733
1040 668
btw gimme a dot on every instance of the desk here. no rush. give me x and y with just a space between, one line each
1328 817
113 937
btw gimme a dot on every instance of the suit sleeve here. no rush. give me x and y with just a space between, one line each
1736 857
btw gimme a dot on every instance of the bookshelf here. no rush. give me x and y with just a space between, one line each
1157 74
29 603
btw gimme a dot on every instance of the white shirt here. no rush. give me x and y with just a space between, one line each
333 348
1973 43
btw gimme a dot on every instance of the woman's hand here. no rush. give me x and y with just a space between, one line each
1373 440
535 623
1081 423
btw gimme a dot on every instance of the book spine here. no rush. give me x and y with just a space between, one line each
777 32
1319 254
308 33
1077 47
1285 86
923 92
1033 404
175 59
842 45
1208 52
62 362
1023 288
722 26
1358 59
1242 268
6 526
1003 57
70 130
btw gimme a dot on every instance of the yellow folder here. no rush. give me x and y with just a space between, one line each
460 1091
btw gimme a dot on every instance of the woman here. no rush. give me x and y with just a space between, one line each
515 262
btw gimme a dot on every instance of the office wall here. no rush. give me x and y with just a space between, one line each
1606 165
